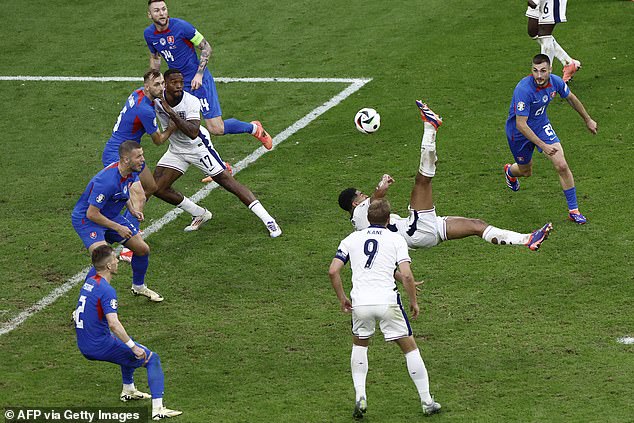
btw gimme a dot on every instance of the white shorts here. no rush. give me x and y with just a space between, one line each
206 159
391 317
552 11
425 229
533 13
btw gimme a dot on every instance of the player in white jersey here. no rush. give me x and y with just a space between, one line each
374 254
422 228
189 144
542 16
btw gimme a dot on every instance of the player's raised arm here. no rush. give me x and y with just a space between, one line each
191 128
578 106
205 53
382 187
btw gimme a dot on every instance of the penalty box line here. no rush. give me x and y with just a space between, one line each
355 84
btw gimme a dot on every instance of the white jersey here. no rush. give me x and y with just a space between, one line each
374 253
421 229
187 109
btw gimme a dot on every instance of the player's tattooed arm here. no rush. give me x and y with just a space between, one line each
205 54
155 61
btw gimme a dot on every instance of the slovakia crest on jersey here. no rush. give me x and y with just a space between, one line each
93 235
170 39
553 94
521 106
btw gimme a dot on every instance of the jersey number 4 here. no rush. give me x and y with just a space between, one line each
79 324
168 55
370 248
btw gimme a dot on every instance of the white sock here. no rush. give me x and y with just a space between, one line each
503 237
359 367
548 46
418 373
428 156
254 130
259 210
138 287
129 387
157 404
561 54
190 207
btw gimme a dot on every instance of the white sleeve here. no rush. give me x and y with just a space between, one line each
402 252
193 107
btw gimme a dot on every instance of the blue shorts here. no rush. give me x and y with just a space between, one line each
117 352
90 232
208 96
522 148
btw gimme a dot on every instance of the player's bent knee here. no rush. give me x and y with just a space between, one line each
142 249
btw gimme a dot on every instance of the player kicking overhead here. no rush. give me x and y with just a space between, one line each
190 143
174 39
102 337
422 228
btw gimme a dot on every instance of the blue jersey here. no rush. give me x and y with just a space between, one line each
531 101
136 118
174 44
96 299
108 191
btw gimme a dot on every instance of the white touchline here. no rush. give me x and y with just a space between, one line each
355 85
627 340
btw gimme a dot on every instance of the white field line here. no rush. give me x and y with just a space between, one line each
139 79
355 85
627 340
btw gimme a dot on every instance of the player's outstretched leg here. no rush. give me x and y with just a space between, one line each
228 182
462 227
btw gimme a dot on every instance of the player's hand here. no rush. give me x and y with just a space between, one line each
413 308
346 306
139 352
197 82
139 215
385 181
124 231
550 150
592 126
417 284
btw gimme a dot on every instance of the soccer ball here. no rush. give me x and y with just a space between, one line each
367 120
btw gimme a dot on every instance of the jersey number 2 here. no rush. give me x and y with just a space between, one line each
79 324
370 248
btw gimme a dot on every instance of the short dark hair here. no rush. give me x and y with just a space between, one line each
379 212
541 58
171 71
153 1
128 146
346 197
151 74
101 255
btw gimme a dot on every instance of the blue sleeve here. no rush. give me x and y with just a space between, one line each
187 29
560 86
147 114
100 193
109 301
521 101
148 42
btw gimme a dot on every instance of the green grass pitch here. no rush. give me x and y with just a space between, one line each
250 330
